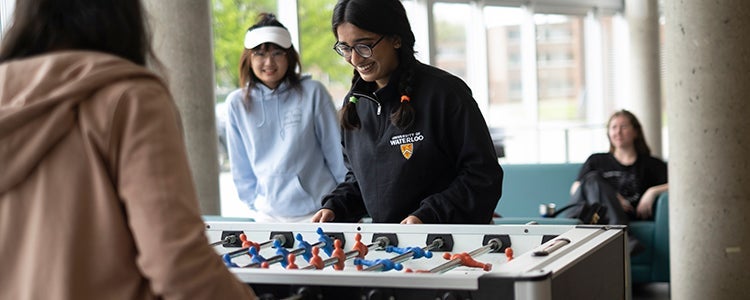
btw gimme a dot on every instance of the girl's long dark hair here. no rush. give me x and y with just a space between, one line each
386 17
641 147
115 27
248 80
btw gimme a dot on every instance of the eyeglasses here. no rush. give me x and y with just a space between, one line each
362 50
262 55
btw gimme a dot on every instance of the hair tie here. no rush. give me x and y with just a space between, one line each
405 98
353 100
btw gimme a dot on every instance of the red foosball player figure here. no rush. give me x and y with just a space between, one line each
338 253
467 260
316 260
360 248
291 265
509 253
248 243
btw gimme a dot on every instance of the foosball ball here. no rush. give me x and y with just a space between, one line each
390 261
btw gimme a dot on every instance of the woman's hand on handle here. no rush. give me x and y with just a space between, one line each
411 220
323 215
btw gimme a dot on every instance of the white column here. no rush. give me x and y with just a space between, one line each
594 93
645 69
288 16
182 41
476 56
707 90
6 12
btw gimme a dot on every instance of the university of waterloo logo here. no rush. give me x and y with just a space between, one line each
407 150
405 142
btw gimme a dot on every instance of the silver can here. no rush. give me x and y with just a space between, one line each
547 209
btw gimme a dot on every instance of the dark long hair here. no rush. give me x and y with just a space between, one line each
386 17
116 27
641 147
248 79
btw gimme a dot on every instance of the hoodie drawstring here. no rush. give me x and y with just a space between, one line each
263 113
278 117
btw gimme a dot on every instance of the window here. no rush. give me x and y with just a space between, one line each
560 66
231 19
504 57
450 37
547 75
316 40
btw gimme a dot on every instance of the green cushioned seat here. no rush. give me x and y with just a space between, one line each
526 186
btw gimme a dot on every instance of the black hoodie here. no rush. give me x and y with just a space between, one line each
441 169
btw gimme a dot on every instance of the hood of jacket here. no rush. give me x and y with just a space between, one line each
38 103
261 94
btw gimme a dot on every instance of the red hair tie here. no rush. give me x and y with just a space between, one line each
405 98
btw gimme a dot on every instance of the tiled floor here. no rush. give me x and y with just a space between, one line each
651 291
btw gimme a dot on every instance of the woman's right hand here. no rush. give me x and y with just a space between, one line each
323 215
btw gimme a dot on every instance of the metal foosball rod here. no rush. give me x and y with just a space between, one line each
246 244
324 242
280 257
335 258
437 243
360 250
462 258
305 249
242 251
227 240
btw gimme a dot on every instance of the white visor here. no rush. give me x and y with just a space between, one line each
268 34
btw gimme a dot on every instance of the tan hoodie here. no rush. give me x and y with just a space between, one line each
96 196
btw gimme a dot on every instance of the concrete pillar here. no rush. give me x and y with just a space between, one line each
182 41
708 62
645 69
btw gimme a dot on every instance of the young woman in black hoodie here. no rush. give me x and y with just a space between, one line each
415 143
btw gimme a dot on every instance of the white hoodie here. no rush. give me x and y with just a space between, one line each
285 148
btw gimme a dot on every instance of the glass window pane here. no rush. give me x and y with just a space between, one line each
450 34
231 19
505 65
316 53
560 76
504 54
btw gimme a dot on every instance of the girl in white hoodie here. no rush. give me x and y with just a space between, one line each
283 137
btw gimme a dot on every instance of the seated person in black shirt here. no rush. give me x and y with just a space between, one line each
627 179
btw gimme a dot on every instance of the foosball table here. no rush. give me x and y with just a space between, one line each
390 261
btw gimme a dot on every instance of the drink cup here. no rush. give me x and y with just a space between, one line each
547 210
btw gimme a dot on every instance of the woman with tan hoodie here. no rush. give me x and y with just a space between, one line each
96 195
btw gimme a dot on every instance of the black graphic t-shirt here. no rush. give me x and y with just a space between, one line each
630 181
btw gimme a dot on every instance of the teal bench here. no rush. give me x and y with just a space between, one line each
526 186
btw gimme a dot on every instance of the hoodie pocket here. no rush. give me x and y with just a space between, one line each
284 196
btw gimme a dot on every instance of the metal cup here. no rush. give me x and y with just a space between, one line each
547 210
